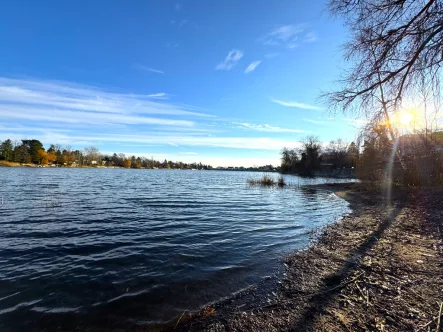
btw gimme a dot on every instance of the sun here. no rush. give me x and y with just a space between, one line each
405 118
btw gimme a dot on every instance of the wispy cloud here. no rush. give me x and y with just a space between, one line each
255 143
230 61
296 105
61 102
266 128
290 36
160 95
357 123
178 6
71 116
310 37
317 122
159 138
272 55
180 23
252 66
172 45
149 69
188 153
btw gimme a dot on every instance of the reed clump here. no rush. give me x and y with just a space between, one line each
267 181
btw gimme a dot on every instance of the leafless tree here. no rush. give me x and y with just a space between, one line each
393 45
57 147
92 154
338 149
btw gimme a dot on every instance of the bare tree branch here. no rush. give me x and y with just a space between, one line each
393 43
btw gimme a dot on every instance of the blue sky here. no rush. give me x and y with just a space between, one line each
226 83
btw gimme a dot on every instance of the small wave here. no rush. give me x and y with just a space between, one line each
8 296
60 310
132 294
18 306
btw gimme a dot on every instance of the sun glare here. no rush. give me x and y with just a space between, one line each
405 118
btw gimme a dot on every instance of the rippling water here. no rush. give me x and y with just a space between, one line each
115 247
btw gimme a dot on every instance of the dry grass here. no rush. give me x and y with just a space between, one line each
12 164
267 181
281 181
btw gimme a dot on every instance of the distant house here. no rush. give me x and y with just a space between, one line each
93 162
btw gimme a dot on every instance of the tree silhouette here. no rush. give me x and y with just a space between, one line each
395 46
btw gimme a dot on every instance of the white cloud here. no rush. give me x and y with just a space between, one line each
290 36
296 105
149 69
230 61
69 116
252 66
60 105
160 95
65 97
266 128
159 138
178 6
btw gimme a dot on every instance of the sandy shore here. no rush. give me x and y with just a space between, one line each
379 269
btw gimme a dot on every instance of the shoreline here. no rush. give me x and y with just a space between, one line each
377 268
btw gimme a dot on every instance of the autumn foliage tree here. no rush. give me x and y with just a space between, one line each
42 157
127 163
51 156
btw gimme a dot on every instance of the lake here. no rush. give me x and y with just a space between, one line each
124 247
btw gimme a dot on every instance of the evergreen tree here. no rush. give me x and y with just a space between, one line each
22 155
33 146
6 150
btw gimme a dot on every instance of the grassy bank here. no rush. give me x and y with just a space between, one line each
378 269
4 163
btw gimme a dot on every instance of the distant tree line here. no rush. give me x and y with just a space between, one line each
411 159
312 158
32 152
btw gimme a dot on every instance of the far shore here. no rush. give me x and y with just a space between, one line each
14 164
239 169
